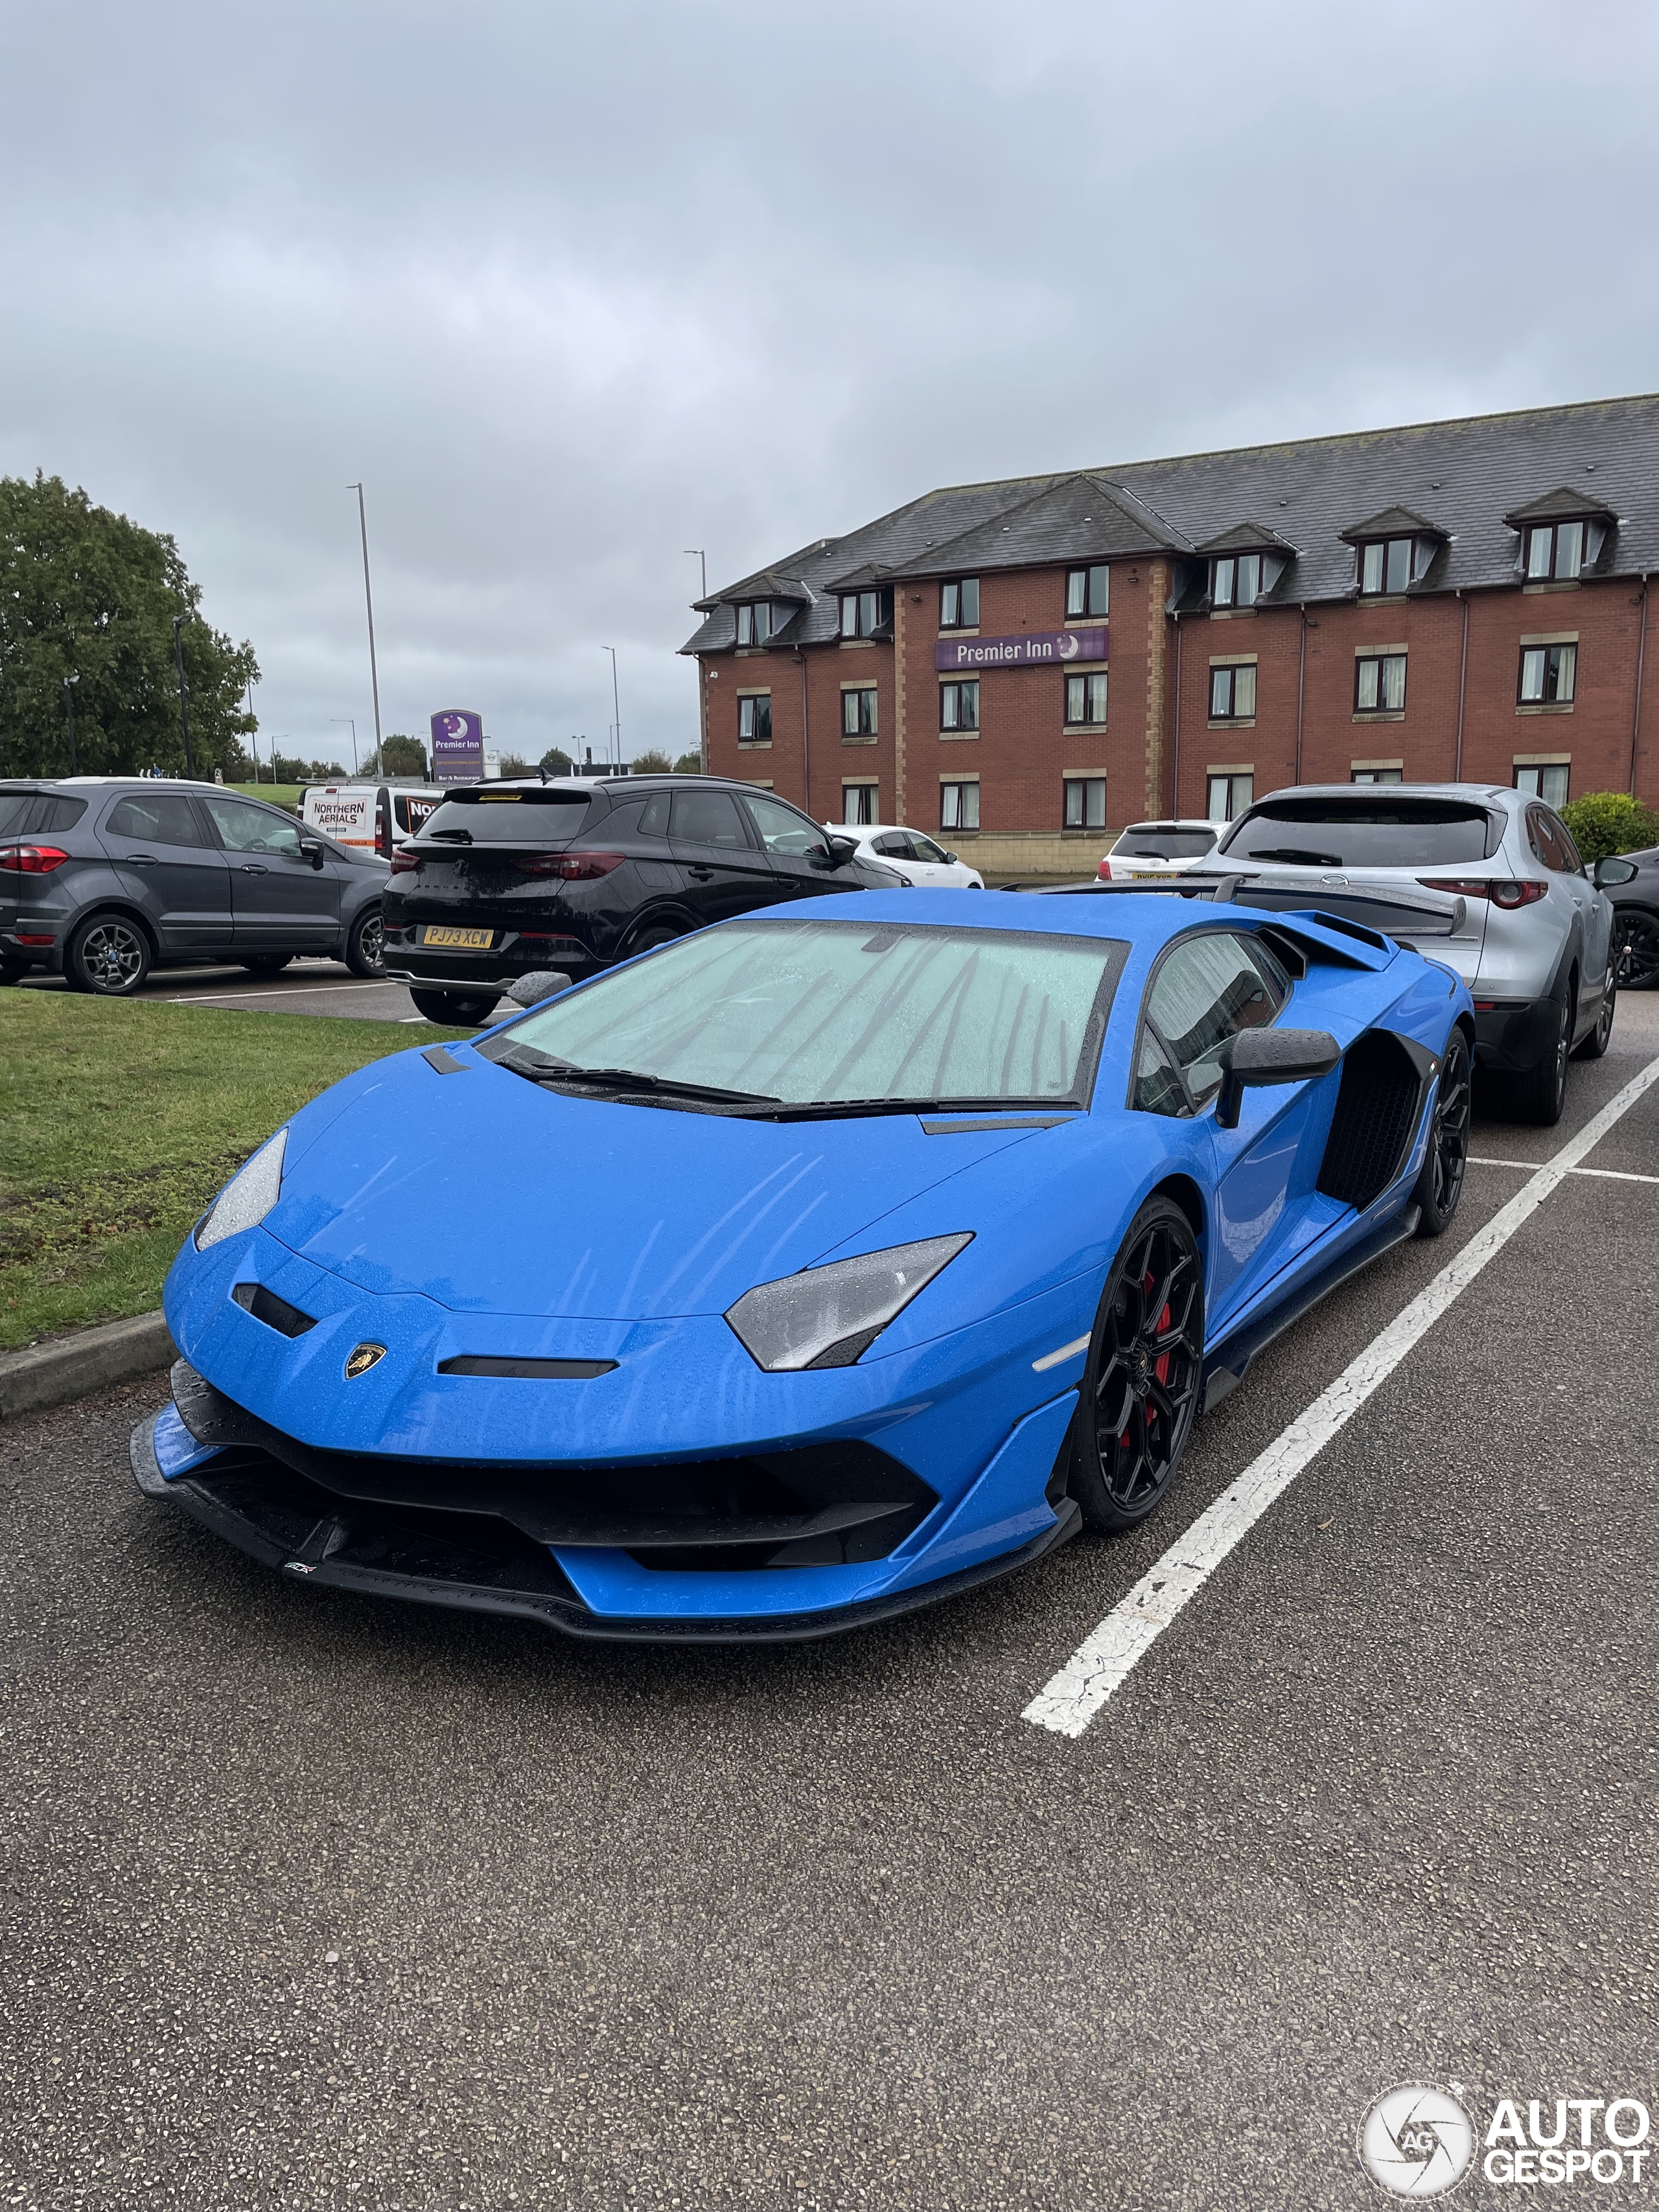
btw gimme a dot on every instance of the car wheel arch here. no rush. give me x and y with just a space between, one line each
128 912
1186 1196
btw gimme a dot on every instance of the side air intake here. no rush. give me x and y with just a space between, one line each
1376 1108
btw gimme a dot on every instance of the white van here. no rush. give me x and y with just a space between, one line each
372 818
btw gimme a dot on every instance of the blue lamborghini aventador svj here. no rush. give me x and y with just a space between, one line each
808 1269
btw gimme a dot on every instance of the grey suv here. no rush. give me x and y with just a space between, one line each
103 878
1535 944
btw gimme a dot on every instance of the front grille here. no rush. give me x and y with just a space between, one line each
1376 1108
806 1506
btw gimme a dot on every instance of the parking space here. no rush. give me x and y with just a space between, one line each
304 987
316 1901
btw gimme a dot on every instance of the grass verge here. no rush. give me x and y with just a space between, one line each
118 1123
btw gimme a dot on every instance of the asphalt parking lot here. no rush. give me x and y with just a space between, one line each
306 986
317 1902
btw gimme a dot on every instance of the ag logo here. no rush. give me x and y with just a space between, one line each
1417 2140
361 1358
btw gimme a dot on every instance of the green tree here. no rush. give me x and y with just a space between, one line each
85 592
1604 822
402 756
688 764
556 761
652 763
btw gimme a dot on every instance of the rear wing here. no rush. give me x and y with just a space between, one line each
1401 913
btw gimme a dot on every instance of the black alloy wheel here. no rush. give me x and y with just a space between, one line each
106 955
1440 1185
1635 948
365 952
1596 1044
1540 1094
459 1012
1145 1361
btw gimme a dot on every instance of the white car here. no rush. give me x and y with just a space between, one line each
913 855
1160 848
360 815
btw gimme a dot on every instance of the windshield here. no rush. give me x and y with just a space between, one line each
822 1012
1370 833
508 817
1162 841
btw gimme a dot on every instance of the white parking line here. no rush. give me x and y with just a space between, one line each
1069 1701
1613 1175
292 991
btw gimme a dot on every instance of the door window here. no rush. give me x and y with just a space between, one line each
244 828
166 818
1207 989
924 848
893 845
1544 835
707 817
784 831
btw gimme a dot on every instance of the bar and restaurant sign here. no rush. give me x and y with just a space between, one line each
457 746
1030 649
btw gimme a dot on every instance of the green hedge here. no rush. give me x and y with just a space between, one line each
1606 822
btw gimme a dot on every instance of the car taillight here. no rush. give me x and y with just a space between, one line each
32 860
1502 891
402 860
1104 872
572 868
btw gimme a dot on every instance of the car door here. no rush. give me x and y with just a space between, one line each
1209 985
797 850
280 901
928 865
165 854
1555 848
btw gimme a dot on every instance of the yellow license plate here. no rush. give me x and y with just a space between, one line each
469 940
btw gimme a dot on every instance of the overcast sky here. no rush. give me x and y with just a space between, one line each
574 287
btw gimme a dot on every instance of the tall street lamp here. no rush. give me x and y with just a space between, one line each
337 719
253 735
616 698
368 603
70 683
179 621
703 558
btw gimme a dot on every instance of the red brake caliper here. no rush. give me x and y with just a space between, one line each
1161 1364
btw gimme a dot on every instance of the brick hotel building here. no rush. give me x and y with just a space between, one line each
1021 668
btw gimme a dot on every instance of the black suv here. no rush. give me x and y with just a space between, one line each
508 877
103 877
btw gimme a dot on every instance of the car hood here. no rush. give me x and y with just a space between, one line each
487 1193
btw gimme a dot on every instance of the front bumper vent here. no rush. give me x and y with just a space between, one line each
275 1313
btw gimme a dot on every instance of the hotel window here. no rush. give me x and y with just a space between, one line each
1379 683
1230 791
1547 782
1085 802
1377 776
755 623
755 719
1087 590
864 613
1549 673
958 604
1555 552
858 804
858 712
1236 581
1086 699
1385 567
958 806
958 705
1232 693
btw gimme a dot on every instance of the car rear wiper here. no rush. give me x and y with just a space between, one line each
1298 856
451 836
828 1109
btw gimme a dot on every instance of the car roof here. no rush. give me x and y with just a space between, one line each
1365 794
1173 821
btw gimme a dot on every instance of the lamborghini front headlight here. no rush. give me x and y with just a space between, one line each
826 1317
247 1197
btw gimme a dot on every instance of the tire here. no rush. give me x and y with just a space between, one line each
459 1012
106 955
365 950
13 971
1440 1185
662 934
1540 1095
265 964
1596 1044
1141 1384
1635 948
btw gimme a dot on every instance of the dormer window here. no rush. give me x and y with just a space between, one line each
758 619
1555 552
958 604
865 613
1236 581
1386 566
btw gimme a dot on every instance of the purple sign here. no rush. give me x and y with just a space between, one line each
1045 649
457 746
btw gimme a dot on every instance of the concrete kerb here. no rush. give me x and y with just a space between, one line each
74 1367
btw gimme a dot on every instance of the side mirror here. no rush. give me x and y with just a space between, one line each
542 983
312 851
841 849
1259 1056
949 859
1615 869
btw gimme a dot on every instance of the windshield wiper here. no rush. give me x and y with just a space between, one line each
828 1109
630 1078
451 836
1298 856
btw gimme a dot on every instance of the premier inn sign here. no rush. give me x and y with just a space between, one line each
1032 649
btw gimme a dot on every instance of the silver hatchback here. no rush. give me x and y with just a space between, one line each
1535 943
